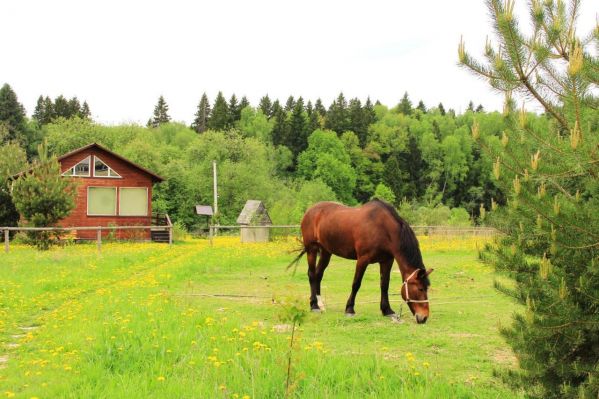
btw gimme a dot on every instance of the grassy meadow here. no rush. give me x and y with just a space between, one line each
194 321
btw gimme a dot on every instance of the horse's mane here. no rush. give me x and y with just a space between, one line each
408 243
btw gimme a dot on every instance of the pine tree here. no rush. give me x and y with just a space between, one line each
200 122
43 197
219 117
85 111
234 110
480 108
266 106
12 114
421 107
549 170
358 120
281 127
297 139
405 105
470 107
313 118
74 107
319 108
243 103
160 113
338 115
441 109
62 108
289 104
42 114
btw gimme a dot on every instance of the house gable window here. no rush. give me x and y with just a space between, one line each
103 170
82 169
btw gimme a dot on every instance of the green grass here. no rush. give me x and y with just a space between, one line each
146 320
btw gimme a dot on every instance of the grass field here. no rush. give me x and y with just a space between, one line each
194 321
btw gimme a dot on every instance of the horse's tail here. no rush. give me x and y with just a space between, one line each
295 261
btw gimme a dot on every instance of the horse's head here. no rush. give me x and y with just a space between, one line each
414 292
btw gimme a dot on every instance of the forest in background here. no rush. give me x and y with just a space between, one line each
289 155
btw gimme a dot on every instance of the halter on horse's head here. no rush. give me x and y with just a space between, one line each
418 300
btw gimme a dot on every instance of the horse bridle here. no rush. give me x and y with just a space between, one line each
405 284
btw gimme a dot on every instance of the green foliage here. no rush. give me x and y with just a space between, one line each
12 161
12 116
326 159
160 115
253 123
43 197
548 168
200 122
385 193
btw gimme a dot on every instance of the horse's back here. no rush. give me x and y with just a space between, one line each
349 232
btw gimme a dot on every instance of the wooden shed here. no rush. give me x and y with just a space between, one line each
111 191
253 215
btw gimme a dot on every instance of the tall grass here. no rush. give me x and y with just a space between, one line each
139 322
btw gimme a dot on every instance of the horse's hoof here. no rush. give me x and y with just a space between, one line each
350 314
316 311
395 318
320 301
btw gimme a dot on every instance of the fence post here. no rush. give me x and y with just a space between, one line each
99 240
210 234
170 235
6 244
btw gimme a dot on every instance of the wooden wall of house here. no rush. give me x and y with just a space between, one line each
130 177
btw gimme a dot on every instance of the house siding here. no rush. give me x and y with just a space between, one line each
130 177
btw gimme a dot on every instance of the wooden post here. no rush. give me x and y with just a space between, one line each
6 241
170 235
99 240
210 234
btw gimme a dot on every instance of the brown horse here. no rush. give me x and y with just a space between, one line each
369 234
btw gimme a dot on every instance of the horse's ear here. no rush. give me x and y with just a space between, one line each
429 271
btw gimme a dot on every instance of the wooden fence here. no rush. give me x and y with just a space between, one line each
168 228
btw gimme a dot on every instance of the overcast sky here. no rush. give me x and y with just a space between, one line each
120 55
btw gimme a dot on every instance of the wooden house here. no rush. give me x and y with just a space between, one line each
111 191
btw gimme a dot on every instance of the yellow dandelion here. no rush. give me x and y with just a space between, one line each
160 378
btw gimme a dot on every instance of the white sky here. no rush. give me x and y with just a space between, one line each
120 55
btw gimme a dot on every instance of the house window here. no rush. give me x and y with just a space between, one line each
101 201
103 170
133 201
81 169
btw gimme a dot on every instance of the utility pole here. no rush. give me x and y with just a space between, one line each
215 194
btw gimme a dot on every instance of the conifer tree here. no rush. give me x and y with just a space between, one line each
281 127
441 109
405 105
62 108
549 170
338 116
243 103
421 107
470 107
200 122
160 113
43 197
43 110
319 108
234 110
85 111
74 107
297 139
219 117
266 106
289 104
12 114
479 109
313 118
358 120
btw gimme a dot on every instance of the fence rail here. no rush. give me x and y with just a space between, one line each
168 228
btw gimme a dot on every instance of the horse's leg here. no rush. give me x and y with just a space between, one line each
323 262
311 255
360 269
385 275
